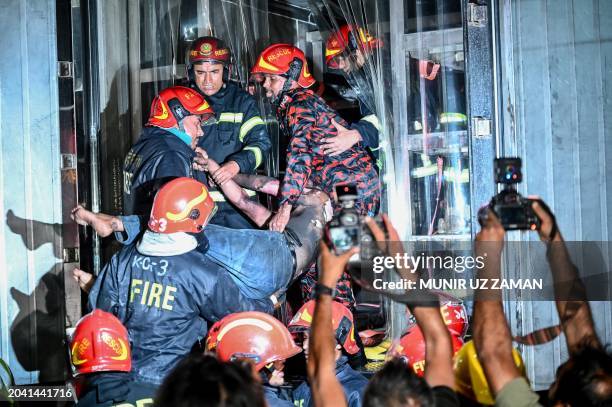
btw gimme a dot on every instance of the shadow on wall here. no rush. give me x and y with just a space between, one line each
38 330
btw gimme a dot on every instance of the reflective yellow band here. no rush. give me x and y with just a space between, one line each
371 118
450 174
219 197
230 117
248 126
258 155
453 118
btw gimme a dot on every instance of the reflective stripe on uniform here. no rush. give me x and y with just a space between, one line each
219 197
373 120
257 152
230 117
248 126
453 118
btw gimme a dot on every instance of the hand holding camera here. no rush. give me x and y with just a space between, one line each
514 211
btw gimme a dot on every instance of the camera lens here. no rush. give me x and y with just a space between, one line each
349 219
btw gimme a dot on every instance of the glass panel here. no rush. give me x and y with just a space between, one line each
436 138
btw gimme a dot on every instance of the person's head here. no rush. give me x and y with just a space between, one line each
254 336
348 48
411 349
584 380
282 67
342 323
100 343
470 380
202 380
208 64
396 385
181 108
181 205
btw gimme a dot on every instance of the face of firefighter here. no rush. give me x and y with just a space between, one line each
350 63
306 336
208 77
192 126
273 84
277 378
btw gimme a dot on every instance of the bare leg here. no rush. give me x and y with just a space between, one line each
306 225
102 223
236 195
259 183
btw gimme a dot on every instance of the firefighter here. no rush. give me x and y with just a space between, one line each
101 360
307 120
238 139
165 148
348 50
353 382
164 288
262 339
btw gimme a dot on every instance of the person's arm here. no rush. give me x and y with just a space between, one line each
321 367
570 294
438 346
232 191
492 336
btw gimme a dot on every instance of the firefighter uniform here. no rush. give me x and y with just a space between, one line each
116 389
239 135
164 290
158 156
306 119
353 383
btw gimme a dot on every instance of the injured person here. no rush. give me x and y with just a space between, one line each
261 262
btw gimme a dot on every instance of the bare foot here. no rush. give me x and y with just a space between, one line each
102 223
84 279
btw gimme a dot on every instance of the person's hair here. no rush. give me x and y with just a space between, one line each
585 379
396 385
203 381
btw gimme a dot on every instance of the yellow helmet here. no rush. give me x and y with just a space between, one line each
470 379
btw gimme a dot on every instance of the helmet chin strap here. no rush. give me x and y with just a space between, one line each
293 74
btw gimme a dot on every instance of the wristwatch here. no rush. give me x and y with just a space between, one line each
321 289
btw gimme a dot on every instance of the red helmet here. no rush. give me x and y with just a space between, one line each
348 38
411 348
174 104
100 344
211 338
252 335
342 320
181 205
285 60
454 315
208 49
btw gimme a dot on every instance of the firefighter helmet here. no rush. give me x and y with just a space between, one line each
285 60
209 49
348 38
470 380
174 104
181 205
252 335
100 344
342 321
411 349
454 315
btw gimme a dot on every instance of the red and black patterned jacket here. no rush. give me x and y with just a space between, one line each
306 119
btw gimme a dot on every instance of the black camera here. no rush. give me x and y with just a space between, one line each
347 229
513 210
